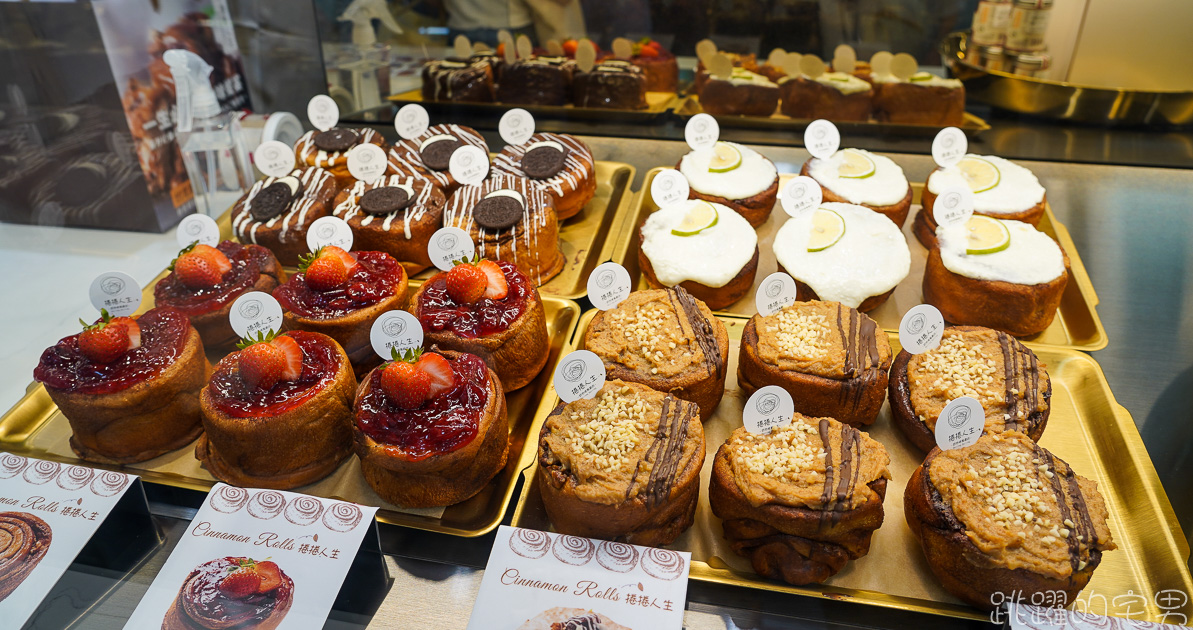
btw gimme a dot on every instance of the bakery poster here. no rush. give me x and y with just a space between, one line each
136 34
256 559
48 512
541 581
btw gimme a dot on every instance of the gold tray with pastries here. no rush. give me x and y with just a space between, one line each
1087 428
657 105
1076 325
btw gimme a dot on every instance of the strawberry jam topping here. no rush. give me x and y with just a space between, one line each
374 278
231 395
442 425
163 337
247 262
438 311
204 602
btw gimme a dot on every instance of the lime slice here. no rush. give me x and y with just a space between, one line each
921 76
827 228
986 235
855 165
725 158
700 217
981 174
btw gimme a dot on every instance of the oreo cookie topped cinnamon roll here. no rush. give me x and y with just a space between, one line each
396 214
430 154
559 163
329 149
277 211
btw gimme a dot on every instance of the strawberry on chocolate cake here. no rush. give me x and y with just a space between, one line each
277 211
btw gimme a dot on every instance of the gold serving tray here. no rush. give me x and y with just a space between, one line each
34 427
1087 428
583 237
690 106
657 104
1076 325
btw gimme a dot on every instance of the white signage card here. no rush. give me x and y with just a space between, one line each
323 112
701 131
412 121
949 147
953 206
669 186
774 293
116 292
469 165
767 409
535 579
367 162
395 331
254 314
800 194
608 285
960 423
580 374
516 126
198 227
329 231
274 158
287 552
449 244
921 328
822 138
48 512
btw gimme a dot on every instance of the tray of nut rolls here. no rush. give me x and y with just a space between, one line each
1116 538
1075 325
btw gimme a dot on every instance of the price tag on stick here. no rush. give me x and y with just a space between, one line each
960 424
949 147
767 409
822 138
921 329
581 374
801 194
323 112
516 126
198 227
774 293
702 131
367 162
255 313
115 292
274 159
329 231
953 206
412 121
669 186
469 165
449 244
395 331
608 285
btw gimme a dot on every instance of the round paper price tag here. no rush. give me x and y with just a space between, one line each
921 329
115 292
274 159
953 206
412 121
669 186
367 162
469 165
329 231
323 112
516 126
255 313
701 131
769 408
197 227
801 194
776 291
949 146
608 285
822 138
960 424
580 374
395 332
449 244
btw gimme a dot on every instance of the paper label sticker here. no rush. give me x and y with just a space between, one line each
608 285
669 186
580 374
329 231
811 66
800 194
953 206
197 227
461 47
949 147
255 313
880 62
469 165
449 244
622 48
774 293
395 331
921 329
274 158
960 423
323 112
412 121
767 409
822 138
116 292
701 131
516 126
367 162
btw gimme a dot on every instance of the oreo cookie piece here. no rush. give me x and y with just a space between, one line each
499 210
385 199
335 140
437 151
543 160
271 201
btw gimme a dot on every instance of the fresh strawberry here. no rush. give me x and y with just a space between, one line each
266 360
466 283
291 357
405 385
650 50
495 285
241 583
109 338
327 268
200 266
440 371
213 256
132 329
271 576
501 49
348 258
569 47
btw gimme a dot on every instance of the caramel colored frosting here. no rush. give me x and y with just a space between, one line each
987 365
627 441
791 465
1022 506
658 332
826 339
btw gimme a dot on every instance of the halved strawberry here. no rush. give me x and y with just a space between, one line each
439 369
240 583
214 256
495 285
200 266
327 268
348 258
131 329
570 46
268 359
291 357
271 576
466 283
109 338
405 385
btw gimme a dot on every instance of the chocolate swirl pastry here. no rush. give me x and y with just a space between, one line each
277 211
329 149
24 541
231 593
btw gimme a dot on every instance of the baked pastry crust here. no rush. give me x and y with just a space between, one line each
650 507
404 233
756 208
911 104
865 354
286 234
572 187
335 162
687 323
405 155
537 81
896 212
924 225
1029 387
662 72
713 297
950 545
804 293
28 540
804 98
1019 309
719 97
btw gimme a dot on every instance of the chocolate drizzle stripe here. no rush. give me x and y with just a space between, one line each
1008 371
666 449
851 466
1083 526
859 371
826 494
1032 382
702 330
1045 457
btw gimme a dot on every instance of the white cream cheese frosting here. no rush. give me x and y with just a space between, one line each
745 77
924 79
712 258
1032 257
842 82
887 186
870 259
754 176
1017 190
